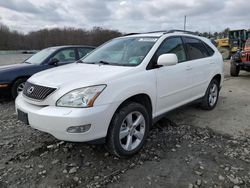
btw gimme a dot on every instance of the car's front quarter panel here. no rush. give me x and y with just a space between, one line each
120 89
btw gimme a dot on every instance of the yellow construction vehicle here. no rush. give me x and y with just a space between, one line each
223 47
236 40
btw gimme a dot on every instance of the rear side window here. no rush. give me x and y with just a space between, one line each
195 48
209 49
172 45
84 51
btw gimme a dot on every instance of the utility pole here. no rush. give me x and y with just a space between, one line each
185 20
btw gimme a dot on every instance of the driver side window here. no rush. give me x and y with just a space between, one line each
65 55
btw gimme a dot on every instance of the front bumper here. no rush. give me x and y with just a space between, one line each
56 120
5 89
243 65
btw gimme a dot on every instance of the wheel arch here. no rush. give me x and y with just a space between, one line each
217 77
142 98
19 77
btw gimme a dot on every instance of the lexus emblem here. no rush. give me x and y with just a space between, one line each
30 90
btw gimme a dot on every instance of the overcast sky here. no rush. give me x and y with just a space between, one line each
125 15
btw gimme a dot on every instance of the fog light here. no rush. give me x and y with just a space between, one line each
79 129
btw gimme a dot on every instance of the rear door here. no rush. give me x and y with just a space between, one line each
201 65
173 82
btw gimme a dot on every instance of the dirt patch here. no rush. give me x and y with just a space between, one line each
174 156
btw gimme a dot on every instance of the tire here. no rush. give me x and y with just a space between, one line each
234 70
120 126
211 97
15 89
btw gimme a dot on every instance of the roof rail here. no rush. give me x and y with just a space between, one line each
131 34
182 31
166 32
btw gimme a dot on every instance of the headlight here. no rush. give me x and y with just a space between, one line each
81 98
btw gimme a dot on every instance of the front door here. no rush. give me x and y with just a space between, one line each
173 82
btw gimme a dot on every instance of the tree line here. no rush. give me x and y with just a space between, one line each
36 40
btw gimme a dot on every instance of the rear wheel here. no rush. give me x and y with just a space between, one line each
128 130
18 87
234 70
211 97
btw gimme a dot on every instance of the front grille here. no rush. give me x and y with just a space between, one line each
37 92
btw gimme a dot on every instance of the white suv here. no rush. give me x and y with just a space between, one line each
115 93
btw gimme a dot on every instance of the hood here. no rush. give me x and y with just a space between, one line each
78 74
14 66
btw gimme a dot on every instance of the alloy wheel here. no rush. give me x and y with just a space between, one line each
132 131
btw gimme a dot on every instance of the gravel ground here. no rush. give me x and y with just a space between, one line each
174 156
178 153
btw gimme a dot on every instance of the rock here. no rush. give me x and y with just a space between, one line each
27 166
221 178
178 146
236 186
43 172
198 182
190 185
198 173
76 179
50 146
40 166
173 150
87 164
65 171
201 167
246 151
234 180
72 164
55 161
72 170
227 168
96 177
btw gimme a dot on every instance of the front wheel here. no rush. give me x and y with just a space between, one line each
17 87
234 70
128 130
211 97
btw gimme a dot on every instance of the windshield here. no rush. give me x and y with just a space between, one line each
122 51
40 56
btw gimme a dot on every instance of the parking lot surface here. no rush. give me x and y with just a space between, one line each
188 148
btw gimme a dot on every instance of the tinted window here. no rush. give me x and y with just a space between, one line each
65 55
172 45
195 48
83 51
209 50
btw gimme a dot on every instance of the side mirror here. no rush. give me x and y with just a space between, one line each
167 60
53 61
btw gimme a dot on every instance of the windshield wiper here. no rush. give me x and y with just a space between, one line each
104 62
27 62
81 61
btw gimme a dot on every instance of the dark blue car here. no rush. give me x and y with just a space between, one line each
13 77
